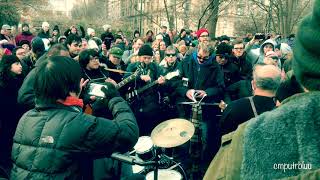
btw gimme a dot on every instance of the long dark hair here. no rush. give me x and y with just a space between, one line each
5 68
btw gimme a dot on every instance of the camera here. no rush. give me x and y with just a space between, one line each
107 41
259 36
95 90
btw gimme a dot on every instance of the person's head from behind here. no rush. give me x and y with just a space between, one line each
58 50
57 78
37 46
266 78
89 59
73 43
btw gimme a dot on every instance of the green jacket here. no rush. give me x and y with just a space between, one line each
227 163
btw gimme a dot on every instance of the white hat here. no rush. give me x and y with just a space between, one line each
92 45
159 36
90 31
45 24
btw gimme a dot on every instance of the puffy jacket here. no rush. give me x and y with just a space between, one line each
51 141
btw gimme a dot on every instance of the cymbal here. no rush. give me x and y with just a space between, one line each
172 133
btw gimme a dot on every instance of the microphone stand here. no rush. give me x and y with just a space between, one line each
133 161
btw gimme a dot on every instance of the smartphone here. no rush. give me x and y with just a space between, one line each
95 90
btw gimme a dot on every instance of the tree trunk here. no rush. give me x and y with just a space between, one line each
186 14
212 23
170 17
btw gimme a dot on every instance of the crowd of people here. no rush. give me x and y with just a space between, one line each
55 124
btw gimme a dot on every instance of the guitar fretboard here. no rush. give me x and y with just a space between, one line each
127 80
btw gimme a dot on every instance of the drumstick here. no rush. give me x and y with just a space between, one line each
131 152
174 166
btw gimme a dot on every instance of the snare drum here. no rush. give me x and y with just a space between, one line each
144 148
164 174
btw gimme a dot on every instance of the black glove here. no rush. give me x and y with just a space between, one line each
109 91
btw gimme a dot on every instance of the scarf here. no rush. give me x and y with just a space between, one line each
72 101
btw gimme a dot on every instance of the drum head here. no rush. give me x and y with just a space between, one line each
144 144
164 174
137 169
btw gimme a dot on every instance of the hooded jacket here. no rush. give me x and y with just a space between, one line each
257 55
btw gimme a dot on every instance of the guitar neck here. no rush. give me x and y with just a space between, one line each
147 86
126 81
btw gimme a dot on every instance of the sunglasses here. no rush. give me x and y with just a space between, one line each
171 55
203 58
274 57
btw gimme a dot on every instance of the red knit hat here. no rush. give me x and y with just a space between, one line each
200 31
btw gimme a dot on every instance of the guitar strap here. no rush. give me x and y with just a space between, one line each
253 106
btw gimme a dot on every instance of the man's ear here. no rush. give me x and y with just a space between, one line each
253 85
68 46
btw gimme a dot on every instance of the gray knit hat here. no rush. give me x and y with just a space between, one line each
306 54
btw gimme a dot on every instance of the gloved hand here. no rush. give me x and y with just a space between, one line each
109 91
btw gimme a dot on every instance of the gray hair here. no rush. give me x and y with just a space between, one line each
171 48
267 77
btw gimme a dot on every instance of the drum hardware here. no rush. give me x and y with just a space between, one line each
149 151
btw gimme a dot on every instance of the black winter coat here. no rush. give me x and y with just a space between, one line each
10 112
51 141
208 78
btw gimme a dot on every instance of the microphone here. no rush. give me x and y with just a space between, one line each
123 158
131 160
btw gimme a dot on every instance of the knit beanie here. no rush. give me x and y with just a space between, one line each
145 50
56 27
306 61
200 31
224 49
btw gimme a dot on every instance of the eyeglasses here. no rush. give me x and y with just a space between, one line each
94 59
171 55
203 58
238 48
204 36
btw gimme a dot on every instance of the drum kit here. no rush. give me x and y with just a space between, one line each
148 156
